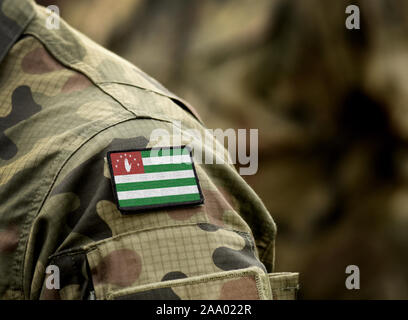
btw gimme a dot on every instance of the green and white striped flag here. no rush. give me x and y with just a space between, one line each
153 178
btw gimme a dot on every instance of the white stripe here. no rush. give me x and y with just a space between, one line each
167 175
159 192
167 160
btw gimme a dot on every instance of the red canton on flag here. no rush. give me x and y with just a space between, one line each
127 163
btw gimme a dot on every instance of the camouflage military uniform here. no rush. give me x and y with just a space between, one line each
64 103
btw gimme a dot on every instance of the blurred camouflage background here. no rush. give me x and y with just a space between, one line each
331 106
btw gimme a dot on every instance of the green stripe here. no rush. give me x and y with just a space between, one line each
164 152
155 184
159 200
168 167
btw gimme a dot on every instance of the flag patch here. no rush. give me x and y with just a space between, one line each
154 178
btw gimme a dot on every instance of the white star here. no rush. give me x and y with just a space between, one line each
137 164
121 156
134 159
117 160
116 166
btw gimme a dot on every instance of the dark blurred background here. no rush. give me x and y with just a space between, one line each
331 106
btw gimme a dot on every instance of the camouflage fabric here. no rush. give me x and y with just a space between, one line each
64 103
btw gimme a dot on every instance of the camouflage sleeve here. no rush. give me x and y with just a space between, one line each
64 103
202 252
223 249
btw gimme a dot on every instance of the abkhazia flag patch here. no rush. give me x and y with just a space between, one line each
154 178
